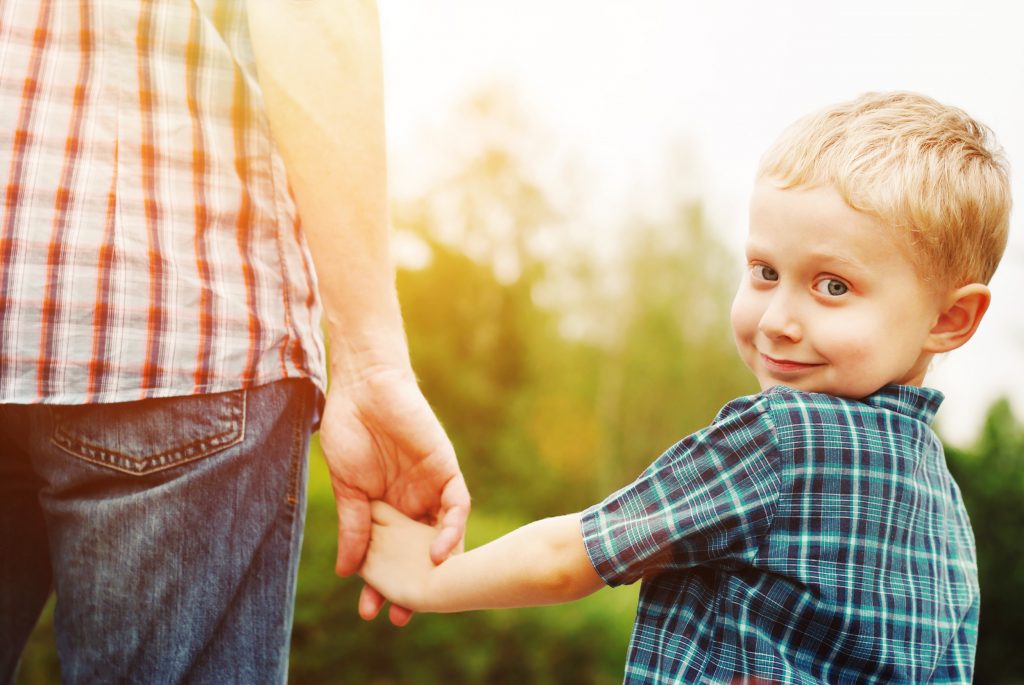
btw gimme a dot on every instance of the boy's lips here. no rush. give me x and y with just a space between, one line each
785 365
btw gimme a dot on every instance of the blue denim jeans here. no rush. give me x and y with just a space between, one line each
170 530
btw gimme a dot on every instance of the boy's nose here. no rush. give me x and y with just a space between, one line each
779 320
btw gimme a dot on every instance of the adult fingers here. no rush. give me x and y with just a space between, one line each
400 616
455 504
353 529
370 603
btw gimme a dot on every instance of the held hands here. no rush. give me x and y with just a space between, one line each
398 563
544 562
382 442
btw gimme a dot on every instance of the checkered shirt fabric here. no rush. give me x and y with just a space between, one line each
801 538
149 243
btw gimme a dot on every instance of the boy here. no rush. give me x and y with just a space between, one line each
812 532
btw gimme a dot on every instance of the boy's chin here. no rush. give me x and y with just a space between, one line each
795 384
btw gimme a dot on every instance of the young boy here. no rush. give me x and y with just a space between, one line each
812 532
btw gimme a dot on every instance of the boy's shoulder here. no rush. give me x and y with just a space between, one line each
785 404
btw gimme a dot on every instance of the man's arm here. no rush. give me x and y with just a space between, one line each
319 65
320 70
544 562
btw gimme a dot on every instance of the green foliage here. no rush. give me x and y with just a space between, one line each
39 663
991 478
584 643
672 364
544 423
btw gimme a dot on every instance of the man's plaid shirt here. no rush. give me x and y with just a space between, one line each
801 538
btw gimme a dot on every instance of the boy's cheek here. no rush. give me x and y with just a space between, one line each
739 314
744 317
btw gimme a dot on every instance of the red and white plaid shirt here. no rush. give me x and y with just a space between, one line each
149 244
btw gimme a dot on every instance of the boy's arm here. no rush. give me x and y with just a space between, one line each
544 562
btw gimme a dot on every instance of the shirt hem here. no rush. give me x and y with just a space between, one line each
134 393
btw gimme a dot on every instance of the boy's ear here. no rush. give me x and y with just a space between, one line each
962 311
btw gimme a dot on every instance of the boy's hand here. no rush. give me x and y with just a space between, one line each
398 562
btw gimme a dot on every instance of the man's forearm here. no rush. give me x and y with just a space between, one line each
544 562
320 68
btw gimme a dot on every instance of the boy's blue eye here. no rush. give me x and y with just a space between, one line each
832 287
765 273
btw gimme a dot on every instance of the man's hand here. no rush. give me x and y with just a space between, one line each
382 441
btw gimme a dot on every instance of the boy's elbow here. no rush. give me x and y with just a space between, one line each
570 575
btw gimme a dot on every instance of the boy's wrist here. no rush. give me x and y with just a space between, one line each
430 593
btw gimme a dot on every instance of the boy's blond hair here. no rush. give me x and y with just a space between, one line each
915 164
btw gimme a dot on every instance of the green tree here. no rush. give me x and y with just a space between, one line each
544 422
671 363
991 478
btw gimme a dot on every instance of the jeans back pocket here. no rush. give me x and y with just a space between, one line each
143 437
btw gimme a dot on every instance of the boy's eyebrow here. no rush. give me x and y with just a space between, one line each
846 261
754 249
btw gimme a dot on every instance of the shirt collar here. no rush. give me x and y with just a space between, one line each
909 400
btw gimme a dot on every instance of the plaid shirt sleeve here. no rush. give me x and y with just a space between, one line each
709 499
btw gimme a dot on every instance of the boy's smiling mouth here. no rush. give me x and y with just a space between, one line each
786 366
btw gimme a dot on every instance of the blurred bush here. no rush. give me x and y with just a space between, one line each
991 478
579 644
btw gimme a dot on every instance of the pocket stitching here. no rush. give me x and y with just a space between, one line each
295 466
123 463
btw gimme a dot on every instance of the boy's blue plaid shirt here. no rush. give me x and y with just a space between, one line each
801 538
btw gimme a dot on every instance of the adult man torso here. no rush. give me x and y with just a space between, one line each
149 245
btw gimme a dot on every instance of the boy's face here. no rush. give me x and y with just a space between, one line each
830 301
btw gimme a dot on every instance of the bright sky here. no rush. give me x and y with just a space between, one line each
622 84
